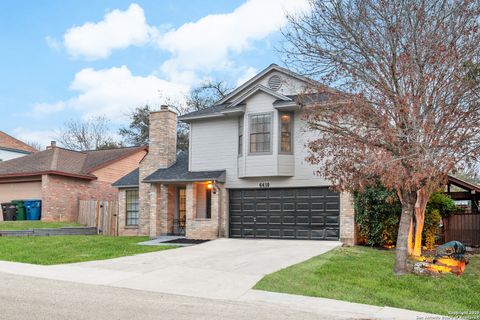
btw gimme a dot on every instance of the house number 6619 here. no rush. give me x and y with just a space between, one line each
264 184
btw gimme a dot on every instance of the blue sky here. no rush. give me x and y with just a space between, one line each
64 60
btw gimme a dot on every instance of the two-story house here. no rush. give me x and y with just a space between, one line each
244 176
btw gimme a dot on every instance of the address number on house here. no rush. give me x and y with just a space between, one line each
264 185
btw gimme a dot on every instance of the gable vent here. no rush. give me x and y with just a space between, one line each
274 82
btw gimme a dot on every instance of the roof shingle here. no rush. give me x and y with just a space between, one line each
63 161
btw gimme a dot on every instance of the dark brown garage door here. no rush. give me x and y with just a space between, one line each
293 213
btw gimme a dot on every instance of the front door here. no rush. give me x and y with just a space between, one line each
180 221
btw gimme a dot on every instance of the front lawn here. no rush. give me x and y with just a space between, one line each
31 224
68 249
364 275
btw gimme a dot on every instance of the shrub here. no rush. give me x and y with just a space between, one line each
442 203
377 214
430 227
378 210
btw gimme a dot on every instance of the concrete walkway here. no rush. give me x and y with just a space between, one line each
224 269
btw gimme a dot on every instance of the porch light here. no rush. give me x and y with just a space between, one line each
209 186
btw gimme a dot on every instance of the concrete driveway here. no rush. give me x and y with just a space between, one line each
224 268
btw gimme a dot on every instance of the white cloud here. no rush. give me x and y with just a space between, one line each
41 136
118 30
115 92
46 108
53 43
249 73
207 43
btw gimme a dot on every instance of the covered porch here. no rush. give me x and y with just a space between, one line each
187 203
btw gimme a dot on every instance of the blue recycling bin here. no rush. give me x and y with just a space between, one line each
34 209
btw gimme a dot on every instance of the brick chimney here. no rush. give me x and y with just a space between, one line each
162 153
162 148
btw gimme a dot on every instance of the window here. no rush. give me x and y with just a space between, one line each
286 132
209 203
260 132
240 136
132 207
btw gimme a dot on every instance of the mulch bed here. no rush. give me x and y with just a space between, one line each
186 241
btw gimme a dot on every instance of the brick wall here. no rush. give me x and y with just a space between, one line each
161 154
60 197
347 219
201 228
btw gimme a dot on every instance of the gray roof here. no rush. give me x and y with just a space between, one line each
130 180
178 172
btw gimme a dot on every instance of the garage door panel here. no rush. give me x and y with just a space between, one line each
288 219
303 234
275 219
332 220
318 234
318 220
289 213
303 220
276 206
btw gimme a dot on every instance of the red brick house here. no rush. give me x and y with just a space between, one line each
60 177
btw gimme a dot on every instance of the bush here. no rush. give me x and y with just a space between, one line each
442 203
430 227
378 210
377 214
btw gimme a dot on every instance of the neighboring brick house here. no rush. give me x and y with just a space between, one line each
11 148
61 177
245 174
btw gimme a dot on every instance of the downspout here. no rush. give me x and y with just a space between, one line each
219 201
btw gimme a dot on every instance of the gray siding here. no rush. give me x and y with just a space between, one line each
214 143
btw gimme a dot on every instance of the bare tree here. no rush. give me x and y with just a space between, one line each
93 134
203 96
410 113
35 145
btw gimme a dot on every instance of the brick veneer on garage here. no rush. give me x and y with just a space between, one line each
347 219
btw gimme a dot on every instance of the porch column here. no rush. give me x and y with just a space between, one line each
165 210
191 203
153 207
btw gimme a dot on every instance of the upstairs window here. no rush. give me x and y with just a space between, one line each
260 133
286 132
240 136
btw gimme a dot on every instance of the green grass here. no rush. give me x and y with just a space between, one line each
68 249
364 275
26 225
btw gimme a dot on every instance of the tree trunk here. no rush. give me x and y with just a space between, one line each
408 205
410 238
420 207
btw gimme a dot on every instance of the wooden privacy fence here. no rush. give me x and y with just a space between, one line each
101 214
464 228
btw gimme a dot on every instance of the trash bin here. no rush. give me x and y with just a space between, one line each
34 208
9 211
21 212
